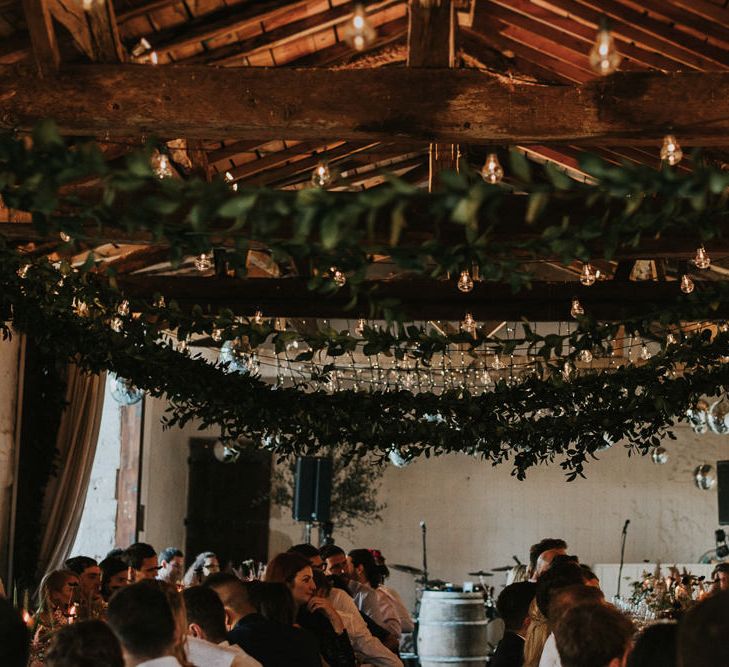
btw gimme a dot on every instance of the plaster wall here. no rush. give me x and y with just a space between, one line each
9 354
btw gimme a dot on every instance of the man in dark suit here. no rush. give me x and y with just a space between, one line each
513 606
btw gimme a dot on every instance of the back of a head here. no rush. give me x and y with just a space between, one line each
656 646
14 638
306 550
365 558
233 593
136 553
142 620
283 567
329 550
85 644
204 608
592 636
567 574
274 602
563 599
78 564
703 632
540 547
513 604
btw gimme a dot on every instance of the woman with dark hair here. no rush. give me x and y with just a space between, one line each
406 622
113 576
365 578
85 644
274 602
314 613
656 646
203 566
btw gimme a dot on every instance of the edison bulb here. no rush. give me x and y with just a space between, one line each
123 308
670 151
497 364
659 456
216 334
66 238
687 285
588 275
465 282
567 369
604 56
230 180
670 339
702 259
645 353
321 177
203 262
160 164
492 171
359 33
577 309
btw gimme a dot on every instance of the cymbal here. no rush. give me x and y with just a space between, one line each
480 573
503 568
409 569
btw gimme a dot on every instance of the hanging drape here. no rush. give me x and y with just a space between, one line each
76 444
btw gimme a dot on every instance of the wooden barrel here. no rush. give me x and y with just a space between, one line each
452 630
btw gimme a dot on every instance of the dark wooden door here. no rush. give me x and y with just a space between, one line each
227 504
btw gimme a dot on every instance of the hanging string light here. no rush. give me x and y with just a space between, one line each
203 262
359 33
659 456
159 302
687 285
567 370
116 324
702 259
492 172
670 340
645 353
142 52
230 180
217 334
465 282
160 164
604 56
670 150
123 308
577 309
66 238
322 176
497 364
23 271
339 278
468 324
89 5
588 276
80 307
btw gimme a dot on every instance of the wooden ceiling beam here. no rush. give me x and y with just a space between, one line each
275 159
457 106
426 299
42 36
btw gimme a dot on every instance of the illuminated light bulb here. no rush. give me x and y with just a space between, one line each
66 238
588 275
645 353
468 324
465 282
230 180
670 339
123 308
23 271
159 302
497 364
670 151
321 177
604 57
359 33
359 329
585 356
724 328
203 262
89 5
687 285
659 456
160 164
80 307
339 278
567 369
116 324
258 317
492 172
702 259
577 309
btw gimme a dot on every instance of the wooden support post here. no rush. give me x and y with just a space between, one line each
42 36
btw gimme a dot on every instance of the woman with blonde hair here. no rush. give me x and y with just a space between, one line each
536 636
56 597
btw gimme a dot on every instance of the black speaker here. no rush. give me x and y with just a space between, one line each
722 484
313 489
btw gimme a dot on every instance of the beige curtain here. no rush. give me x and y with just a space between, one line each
76 443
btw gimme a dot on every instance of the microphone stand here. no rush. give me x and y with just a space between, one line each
425 554
622 555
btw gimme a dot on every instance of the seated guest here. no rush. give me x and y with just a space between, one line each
56 598
703 632
171 566
368 649
89 588
513 607
14 637
335 560
202 567
595 635
141 559
546 549
364 581
206 642
142 621
406 622
314 613
720 578
536 636
656 646
85 644
272 643
114 573
311 553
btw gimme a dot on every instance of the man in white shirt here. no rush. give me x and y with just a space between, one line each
142 620
206 643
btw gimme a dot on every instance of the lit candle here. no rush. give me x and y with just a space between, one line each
72 613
